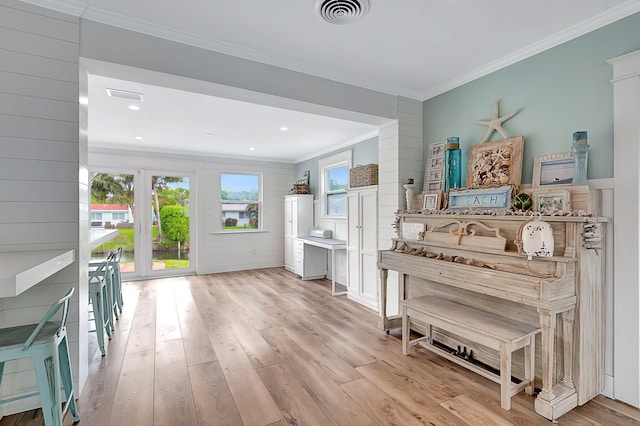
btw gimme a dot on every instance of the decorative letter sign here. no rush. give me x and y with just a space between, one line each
481 199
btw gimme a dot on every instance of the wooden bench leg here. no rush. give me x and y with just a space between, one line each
530 364
405 331
505 375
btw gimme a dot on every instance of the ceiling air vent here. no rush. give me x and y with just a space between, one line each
341 12
132 96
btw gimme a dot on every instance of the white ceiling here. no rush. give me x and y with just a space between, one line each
414 48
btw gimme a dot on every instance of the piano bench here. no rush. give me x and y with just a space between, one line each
502 334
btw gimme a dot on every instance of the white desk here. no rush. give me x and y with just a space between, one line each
21 270
97 237
331 245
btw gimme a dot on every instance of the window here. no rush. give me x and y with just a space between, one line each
335 182
121 216
96 215
240 201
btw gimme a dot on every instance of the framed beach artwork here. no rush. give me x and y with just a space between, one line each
553 170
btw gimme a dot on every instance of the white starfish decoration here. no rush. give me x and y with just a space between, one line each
495 124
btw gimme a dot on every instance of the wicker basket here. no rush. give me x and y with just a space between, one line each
363 175
300 188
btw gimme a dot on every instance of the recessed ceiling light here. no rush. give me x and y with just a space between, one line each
134 107
252 149
139 138
284 129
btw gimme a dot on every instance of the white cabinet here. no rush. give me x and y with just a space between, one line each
310 261
362 246
298 221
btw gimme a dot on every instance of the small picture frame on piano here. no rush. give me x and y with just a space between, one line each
553 201
432 200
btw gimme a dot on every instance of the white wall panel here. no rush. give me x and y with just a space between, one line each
19 190
38 170
35 211
38 45
45 88
37 149
38 173
38 66
30 106
36 128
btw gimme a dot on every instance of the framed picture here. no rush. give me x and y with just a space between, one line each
495 163
436 149
435 175
553 170
481 199
432 200
552 201
435 186
434 167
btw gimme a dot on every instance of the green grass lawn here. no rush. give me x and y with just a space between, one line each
174 263
126 239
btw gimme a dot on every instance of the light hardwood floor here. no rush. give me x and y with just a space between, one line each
265 348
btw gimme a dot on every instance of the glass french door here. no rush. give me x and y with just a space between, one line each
151 211
168 242
113 208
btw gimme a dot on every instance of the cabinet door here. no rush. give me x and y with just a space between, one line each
290 225
353 243
369 246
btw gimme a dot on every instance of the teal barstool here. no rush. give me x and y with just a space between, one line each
114 280
117 286
99 299
109 277
46 343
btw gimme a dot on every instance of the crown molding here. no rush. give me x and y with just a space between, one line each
612 15
70 7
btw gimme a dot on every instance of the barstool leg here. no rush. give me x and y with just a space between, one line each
98 317
49 390
67 378
104 306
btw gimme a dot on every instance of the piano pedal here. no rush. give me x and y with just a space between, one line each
469 357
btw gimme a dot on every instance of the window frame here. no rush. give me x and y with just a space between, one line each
259 202
325 165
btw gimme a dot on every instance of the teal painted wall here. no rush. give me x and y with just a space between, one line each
556 92
365 152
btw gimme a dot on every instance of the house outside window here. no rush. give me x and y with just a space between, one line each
240 201
334 172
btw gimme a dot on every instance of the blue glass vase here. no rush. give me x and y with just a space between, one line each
453 164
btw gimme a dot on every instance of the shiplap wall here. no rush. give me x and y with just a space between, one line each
217 251
39 160
400 153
